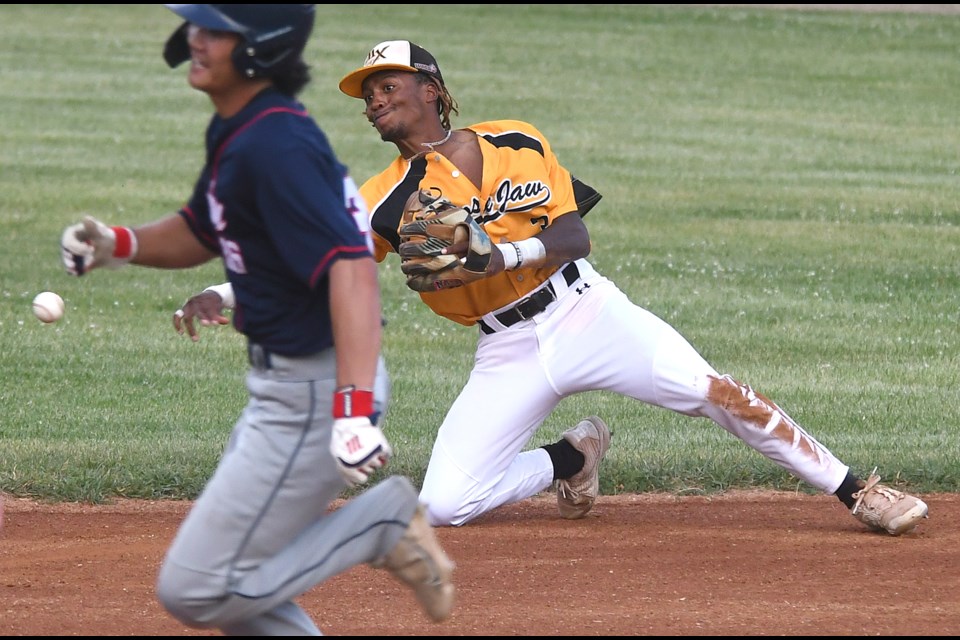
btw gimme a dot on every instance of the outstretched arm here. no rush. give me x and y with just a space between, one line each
167 243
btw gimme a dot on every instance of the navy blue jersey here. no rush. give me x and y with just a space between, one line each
279 208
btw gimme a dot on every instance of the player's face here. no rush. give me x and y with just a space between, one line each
395 104
211 66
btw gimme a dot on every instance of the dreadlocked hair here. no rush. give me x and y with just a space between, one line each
446 104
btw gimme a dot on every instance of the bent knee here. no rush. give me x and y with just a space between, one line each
176 592
447 511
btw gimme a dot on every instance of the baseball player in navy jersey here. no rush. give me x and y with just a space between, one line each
275 204
549 325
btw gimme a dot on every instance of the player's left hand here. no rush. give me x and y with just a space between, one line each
358 445
359 448
441 245
461 249
207 307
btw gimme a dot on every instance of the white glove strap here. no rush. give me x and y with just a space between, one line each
225 291
525 253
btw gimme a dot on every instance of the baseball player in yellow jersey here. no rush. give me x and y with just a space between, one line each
549 325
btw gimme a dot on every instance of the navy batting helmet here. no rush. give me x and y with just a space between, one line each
274 35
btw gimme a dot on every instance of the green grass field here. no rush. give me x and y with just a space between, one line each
781 186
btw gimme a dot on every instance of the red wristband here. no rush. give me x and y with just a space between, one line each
124 245
350 401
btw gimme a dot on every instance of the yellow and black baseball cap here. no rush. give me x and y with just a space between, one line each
400 55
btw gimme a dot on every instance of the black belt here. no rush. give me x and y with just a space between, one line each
532 304
258 356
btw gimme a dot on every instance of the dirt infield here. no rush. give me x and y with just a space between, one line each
746 563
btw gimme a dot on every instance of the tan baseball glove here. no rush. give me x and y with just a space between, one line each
441 245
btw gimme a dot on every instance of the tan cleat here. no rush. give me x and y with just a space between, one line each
418 561
576 494
885 509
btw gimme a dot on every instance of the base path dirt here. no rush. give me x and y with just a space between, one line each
745 563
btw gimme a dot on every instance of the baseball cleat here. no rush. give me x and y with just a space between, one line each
884 509
576 494
418 561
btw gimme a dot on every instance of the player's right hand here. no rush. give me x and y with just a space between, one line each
90 244
359 448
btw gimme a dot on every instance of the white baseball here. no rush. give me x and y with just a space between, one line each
48 306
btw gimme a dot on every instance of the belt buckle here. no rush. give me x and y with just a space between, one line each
534 303
521 308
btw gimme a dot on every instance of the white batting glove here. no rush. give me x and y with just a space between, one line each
91 244
359 447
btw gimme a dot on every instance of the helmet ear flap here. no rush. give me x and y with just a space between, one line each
245 61
266 59
177 50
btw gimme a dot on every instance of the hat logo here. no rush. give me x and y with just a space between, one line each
375 56
427 68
